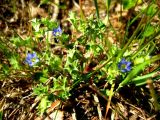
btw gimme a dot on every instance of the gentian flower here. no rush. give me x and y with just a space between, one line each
31 59
124 65
57 31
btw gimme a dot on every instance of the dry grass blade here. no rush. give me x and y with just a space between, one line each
109 100
55 104
98 107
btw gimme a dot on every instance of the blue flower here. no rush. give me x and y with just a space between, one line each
31 59
57 31
124 65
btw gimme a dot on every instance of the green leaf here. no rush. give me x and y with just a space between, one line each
14 62
55 63
45 72
49 24
17 41
36 76
43 79
40 90
97 10
43 105
149 31
44 2
108 2
152 10
35 24
127 4
138 60
141 80
5 69
72 19
1 115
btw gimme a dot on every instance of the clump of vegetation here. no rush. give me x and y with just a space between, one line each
96 55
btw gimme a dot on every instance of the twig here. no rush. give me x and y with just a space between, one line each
109 99
135 108
74 114
95 89
56 10
98 106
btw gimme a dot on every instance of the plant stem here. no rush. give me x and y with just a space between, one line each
150 75
131 38
153 95
144 46
97 11
81 10
109 99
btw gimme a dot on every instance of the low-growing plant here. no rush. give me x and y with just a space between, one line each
59 62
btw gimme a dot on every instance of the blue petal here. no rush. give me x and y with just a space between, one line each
123 70
128 63
123 61
31 64
27 59
28 62
128 68
34 55
119 65
57 31
29 56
